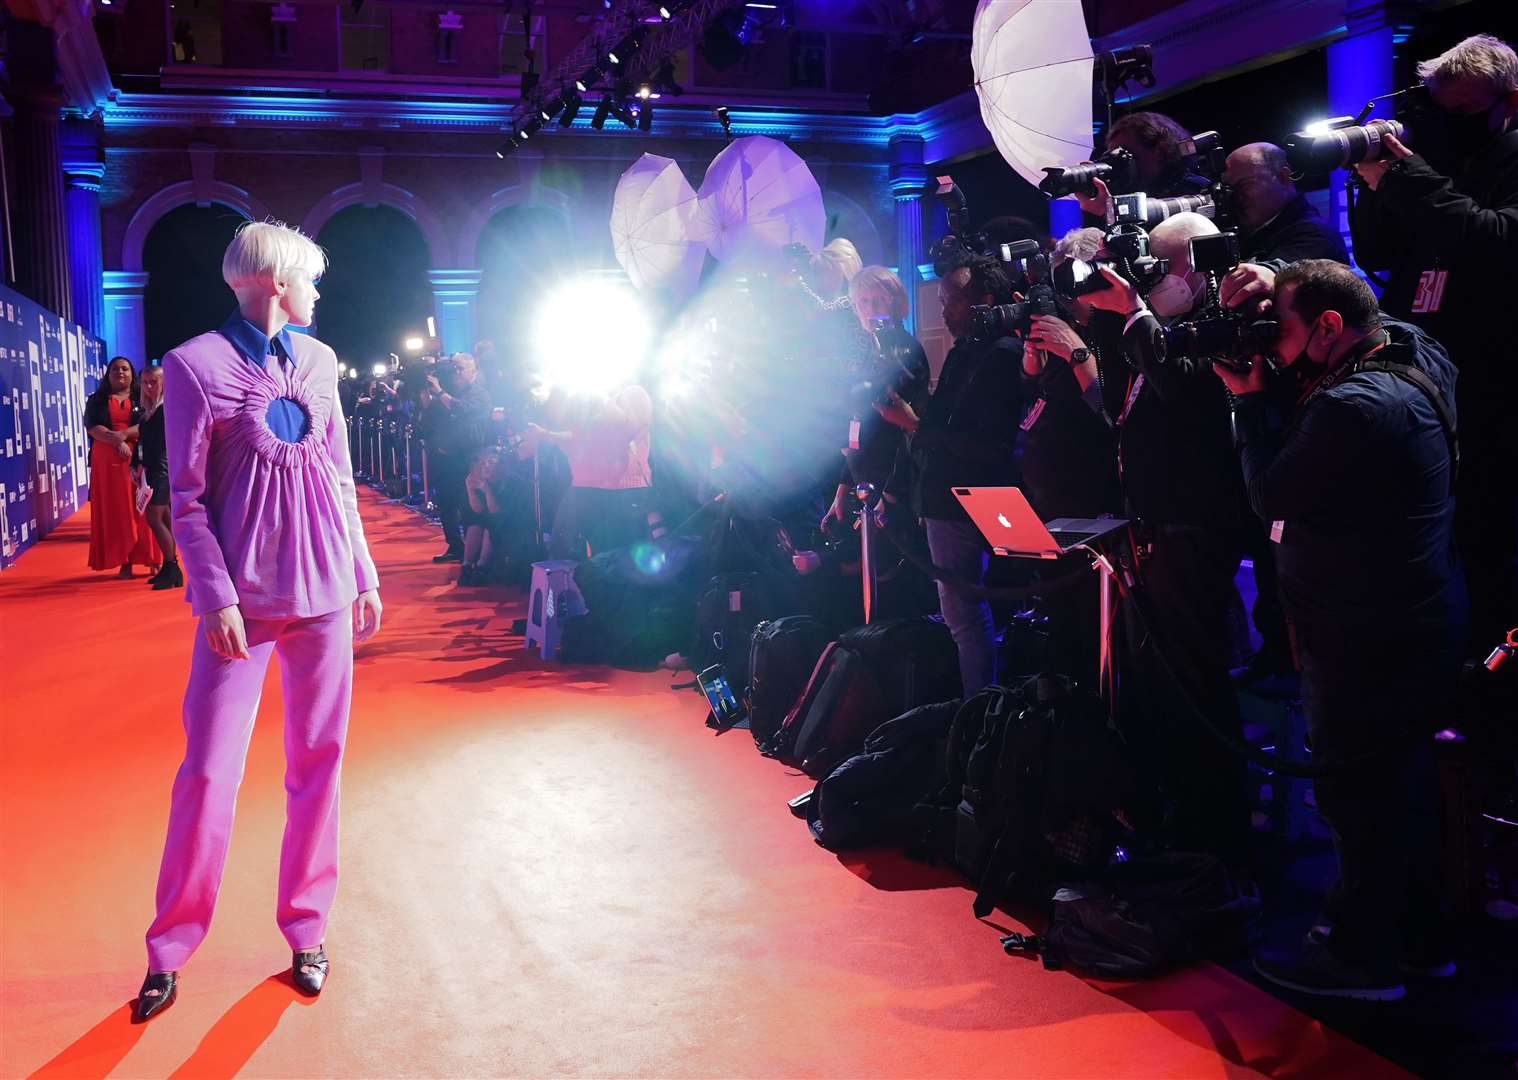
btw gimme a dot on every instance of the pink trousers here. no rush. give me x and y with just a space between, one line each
220 703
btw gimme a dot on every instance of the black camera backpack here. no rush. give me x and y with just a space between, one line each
782 653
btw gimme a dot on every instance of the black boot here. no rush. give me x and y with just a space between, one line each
170 577
166 987
308 969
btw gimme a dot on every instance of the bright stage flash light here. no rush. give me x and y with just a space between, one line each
590 338
1318 127
431 326
380 369
414 344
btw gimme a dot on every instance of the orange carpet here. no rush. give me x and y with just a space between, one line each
546 872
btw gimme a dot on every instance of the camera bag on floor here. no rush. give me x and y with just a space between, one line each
1034 773
1145 917
870 798
867 676
782 653
729 608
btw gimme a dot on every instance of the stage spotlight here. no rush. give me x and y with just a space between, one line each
664 13
572 105
646 117
645 91
414 344
590 337
598 121
431 327
379 370
620 110
722 118
613 58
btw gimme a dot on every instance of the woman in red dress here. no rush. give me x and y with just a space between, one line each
119 535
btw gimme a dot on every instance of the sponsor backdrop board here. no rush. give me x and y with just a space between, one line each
47 366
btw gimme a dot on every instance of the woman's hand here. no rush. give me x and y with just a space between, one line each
124 450
366 616
1054 335
225 633
835 512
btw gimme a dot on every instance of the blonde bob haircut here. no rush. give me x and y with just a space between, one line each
262 252
880 279
841 256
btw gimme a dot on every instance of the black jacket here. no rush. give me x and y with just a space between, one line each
1360 478
1297 232
968 430
1419 220
97 412
905 367
1069 449
152 446
1175 449
459 427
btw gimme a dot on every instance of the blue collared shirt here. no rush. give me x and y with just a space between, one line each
285 418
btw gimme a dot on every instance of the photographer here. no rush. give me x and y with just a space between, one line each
1160 167
1276 222
1357 487
898 363
965 437
1179 479
1447 235
1278 226
1069 453
456 415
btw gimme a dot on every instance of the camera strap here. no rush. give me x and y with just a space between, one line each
1419 378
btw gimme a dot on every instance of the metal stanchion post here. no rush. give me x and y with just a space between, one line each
380 437
426 482
408 462
865 493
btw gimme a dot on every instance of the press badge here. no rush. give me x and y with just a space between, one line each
1277 530
1430 292
1033 414
853 434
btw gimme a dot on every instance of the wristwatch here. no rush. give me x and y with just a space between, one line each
1079 356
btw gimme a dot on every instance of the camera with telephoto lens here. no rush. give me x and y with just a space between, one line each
1028 267
1114 168
1233 337
1340 143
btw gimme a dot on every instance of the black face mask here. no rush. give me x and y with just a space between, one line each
1304 369
1468 133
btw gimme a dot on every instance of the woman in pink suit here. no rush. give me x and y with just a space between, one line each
266 516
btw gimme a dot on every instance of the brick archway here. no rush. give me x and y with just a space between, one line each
439 250
174 196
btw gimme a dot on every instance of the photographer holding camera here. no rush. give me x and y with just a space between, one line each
1357 488
1179 478
1277 226
896 363
1069 454
965 437
1156 163
456 415
1448 239
1276 222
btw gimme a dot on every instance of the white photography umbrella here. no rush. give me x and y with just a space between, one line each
1032 63
756 198
651 213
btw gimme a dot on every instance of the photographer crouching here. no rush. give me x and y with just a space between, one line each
965 437
1357 488
1175 459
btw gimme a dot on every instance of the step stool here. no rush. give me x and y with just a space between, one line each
552 598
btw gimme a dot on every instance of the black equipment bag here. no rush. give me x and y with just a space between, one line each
870 798
1034 772
1147 916
726 613
782 653
867 676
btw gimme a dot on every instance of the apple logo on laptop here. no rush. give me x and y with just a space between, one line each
1005 524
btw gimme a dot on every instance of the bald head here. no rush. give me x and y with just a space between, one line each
1171 239
1261 180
